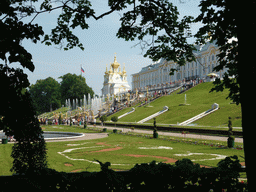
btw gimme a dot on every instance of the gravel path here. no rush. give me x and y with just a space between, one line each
194 136
87 136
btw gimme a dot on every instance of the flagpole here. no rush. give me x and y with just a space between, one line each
81 69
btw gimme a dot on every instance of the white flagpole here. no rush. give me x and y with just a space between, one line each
81 69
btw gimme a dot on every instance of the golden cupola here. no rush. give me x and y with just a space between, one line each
115 65
110 70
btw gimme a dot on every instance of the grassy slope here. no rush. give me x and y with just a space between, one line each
199 99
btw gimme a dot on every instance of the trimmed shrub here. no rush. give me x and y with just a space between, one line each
155 134
231 138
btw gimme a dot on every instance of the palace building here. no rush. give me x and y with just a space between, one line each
115 80
157 74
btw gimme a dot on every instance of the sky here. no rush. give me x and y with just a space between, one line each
100 43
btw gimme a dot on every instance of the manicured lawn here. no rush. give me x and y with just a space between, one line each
199 99
122 151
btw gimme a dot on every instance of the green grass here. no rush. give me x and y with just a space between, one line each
199 99
5 159
129 145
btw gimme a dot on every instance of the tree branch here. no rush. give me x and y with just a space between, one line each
37 13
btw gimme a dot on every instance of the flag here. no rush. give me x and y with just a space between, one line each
82 69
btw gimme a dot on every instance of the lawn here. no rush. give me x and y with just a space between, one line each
122 151
199 99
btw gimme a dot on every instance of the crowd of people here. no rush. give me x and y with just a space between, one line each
55 121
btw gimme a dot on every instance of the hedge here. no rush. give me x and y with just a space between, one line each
184 175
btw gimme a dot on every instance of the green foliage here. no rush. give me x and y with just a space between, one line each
60 119
228 170
103 118
183 176
114 118
231 138
186 175
230 132
73 87
157 17
222 28
19 120
14 31
45 95
29 158
48 94
108 179
155 134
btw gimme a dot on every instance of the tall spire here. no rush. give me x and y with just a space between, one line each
106 69
124 72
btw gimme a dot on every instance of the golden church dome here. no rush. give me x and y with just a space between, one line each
115 65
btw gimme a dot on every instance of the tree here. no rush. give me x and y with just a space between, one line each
220 18
213 15
45 95
19 120
147 18
103 118
73 87
114 119
18 117
159 19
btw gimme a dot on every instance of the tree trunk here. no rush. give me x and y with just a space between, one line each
247 72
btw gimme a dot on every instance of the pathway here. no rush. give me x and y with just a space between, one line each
87 136
194 136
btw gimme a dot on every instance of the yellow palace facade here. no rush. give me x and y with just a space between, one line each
156 75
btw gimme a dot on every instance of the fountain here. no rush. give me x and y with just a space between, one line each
73 107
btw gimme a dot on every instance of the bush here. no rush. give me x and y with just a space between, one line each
104 129
114 130
184 175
